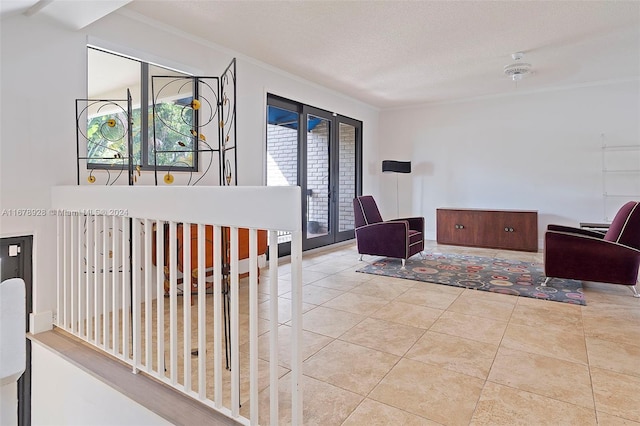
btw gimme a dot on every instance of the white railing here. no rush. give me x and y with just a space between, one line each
114 271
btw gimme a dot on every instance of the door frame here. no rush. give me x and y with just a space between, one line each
334 235
303 110
323 240
25 243
348 234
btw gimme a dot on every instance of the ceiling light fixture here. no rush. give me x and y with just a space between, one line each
518 69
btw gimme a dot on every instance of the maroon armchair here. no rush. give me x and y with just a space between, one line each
399 238
579 254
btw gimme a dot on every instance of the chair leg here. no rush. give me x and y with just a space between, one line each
422 255
360 258
546 281
403 264
634 290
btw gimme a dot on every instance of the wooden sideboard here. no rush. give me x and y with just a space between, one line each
502 229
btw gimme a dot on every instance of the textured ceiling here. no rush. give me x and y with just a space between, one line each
400 53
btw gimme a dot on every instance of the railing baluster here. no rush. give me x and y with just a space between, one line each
60 255
218 294
75 254
173 304
253 325
273 327
70 274
81 279
96 289
160 298
202 313
62 316
88 230
135 294
235 359
106 233
126 288
148 298
115 286
296 328
186 304
80 274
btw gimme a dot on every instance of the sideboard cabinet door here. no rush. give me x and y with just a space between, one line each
458 227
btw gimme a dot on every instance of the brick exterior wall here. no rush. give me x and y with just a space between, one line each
347 176
282 157
318 178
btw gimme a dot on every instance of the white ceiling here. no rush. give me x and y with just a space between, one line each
399 53
74 14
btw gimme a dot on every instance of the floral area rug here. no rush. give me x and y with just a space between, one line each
481 273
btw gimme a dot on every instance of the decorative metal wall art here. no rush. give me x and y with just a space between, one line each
187 112
229 159
104 143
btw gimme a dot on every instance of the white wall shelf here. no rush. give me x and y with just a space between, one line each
620 176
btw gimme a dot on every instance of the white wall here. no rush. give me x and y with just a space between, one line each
539 151
44 71
63 394
36 138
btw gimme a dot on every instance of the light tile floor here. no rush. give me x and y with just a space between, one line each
387 351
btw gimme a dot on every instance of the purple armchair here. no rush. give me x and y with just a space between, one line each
580 254
399 238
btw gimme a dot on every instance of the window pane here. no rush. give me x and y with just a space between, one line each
318 203
173 95
282 151
282 147
109 77
346 176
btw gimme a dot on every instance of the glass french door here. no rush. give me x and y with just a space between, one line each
320 152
